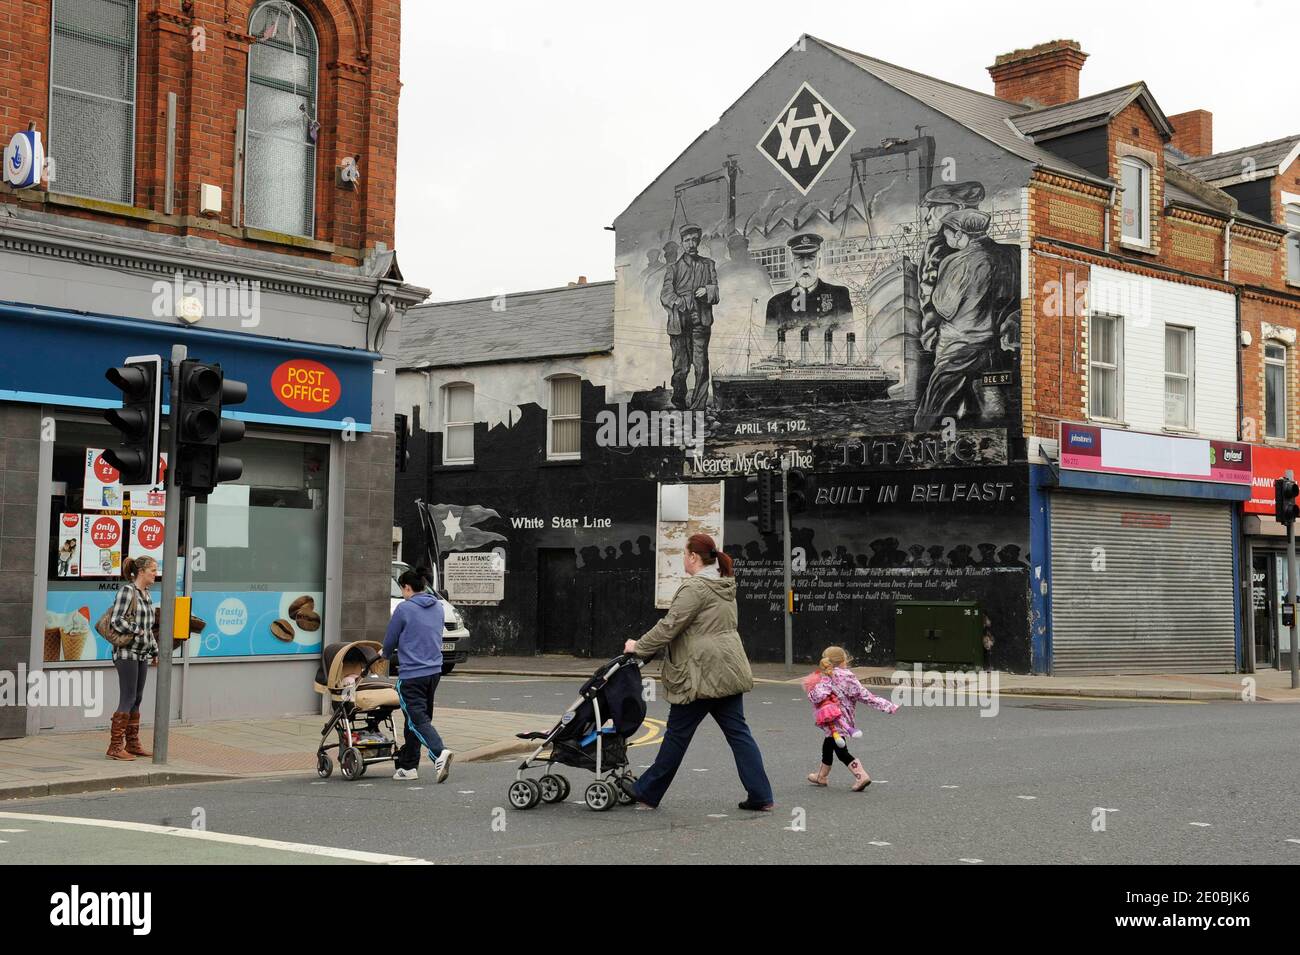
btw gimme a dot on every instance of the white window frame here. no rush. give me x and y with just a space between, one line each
1189 360
1282 363
1144 207
1117 367
55 136
552 417
1291 219
448 425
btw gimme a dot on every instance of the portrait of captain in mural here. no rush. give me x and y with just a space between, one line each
810 297
689 292
971 321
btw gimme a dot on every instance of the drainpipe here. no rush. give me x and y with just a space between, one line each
1236 298
1110 211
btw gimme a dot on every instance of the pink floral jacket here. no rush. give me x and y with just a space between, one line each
846 688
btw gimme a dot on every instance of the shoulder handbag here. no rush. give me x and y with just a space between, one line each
104 625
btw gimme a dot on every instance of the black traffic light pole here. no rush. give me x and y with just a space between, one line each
1291 596
171 538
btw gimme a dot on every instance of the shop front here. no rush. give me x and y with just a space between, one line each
261 556
1268 640
1142 534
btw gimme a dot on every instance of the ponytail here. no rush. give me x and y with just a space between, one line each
725 564
833 657
707 549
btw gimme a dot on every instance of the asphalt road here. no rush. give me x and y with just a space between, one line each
1182 783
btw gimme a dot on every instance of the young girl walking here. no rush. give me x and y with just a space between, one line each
835 693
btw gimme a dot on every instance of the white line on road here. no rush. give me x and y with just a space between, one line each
1296 841
717 815
13 830
971 861
877 842
1026 797
950 787
1201 825
353 855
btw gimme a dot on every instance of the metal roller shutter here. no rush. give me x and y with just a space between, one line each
1157 596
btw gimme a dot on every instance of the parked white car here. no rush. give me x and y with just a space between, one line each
455 642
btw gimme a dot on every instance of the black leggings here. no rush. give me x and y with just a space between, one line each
131 677
829 748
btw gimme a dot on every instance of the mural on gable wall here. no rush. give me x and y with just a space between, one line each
818 277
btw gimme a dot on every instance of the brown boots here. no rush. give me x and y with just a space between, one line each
820 777
117 737
133 745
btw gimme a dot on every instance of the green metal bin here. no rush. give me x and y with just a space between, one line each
939 632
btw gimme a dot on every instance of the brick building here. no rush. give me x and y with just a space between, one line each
219 175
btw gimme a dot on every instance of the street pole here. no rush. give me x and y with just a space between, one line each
1291 597
171 552
187 585
785 544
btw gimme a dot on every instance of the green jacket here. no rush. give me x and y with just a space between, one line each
704 659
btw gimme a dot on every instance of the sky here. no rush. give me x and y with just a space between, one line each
527 127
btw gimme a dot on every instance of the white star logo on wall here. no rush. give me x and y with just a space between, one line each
451 525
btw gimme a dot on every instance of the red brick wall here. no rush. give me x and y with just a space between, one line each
1257 311
358 88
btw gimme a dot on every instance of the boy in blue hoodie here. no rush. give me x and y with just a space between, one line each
415 632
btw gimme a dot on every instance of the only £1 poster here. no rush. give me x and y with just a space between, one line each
103 485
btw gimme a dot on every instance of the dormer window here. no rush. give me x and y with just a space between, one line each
1135 202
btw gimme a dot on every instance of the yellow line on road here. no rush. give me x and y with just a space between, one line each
654 733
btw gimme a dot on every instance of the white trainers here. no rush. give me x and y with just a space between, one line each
442 765
407 774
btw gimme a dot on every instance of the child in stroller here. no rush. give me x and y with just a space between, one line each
581 739
362 697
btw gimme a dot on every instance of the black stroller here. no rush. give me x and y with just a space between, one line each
581 739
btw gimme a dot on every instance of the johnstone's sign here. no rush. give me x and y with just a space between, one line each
1115 451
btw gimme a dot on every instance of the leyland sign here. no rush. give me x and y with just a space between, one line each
1114 451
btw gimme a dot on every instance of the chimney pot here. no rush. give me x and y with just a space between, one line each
1042 75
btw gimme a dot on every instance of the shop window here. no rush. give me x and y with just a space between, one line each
1106 367
1180 376
92 99
564 418
280 154
1293 245
1135 206
1275 391
258 563
458 424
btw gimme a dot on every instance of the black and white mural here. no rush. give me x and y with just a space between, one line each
833 259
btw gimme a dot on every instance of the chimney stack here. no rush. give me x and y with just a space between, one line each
1194 132
1042 75
582 280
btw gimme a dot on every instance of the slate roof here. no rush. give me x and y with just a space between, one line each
1226 165
576 320
986 115
1089 110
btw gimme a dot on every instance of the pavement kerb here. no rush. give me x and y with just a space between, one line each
74 787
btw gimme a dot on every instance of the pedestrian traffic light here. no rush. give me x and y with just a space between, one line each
202 392
1285 508
762 494
796 490
140 380
402 456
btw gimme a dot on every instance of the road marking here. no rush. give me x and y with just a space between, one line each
465 792
767 702
354 855
1296 841
699 770
950 787
364 785
318 784
877 842
1026 797
1108 699
971 861
717 815
13 830
1200 825
414 788
655 731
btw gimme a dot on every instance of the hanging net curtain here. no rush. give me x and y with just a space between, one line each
280 158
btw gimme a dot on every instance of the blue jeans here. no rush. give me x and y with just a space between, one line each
416 696
683 720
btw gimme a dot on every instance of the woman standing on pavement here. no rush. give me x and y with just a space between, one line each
705 673
133 613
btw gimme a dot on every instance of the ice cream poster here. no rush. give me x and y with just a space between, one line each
147 539
69 545
68 634
103 485
101 545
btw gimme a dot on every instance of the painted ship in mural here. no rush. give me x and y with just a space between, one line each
826 366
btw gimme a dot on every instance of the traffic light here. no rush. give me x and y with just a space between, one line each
1285 508
140 380
202 393
762 492
402 457
797 486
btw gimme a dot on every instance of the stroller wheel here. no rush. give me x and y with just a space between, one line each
600 796
324 765
564 784
554 788
524 794
352 763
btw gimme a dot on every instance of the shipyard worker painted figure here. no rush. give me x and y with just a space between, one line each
689 292
809 297
976 287
937 203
